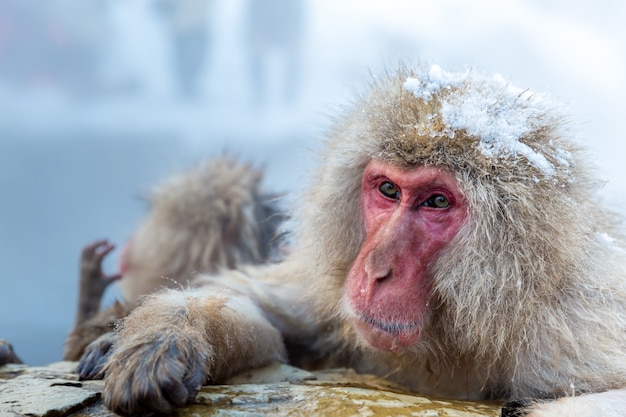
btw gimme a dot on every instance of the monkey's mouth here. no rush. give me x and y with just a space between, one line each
387 336
392 328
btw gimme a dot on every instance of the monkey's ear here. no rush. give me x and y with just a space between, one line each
515 408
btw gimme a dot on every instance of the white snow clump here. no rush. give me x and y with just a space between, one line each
489 108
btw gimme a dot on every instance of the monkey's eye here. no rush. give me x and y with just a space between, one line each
437 201
389 190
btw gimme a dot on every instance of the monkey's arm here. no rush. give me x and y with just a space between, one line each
91 323
82 337
176 341
93 281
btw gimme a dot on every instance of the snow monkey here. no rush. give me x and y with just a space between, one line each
452 241
213 216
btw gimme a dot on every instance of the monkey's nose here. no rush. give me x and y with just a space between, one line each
385 276
378 277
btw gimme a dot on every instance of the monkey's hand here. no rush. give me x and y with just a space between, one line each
178 340
92 361
156 373
93 281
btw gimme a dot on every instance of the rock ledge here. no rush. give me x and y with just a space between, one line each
277 390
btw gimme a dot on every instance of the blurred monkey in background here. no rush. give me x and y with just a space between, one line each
214 216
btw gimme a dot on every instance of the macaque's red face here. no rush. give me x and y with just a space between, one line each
410 216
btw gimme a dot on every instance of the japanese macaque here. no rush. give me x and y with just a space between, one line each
212 217
452 241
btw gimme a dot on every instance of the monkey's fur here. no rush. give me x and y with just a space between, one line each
213 216
529 298
532 291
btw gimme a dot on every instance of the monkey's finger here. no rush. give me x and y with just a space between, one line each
103 250
170 371
111 278
91 364
175 391
90 248
195 378
90 371
158 389
133 396
182 392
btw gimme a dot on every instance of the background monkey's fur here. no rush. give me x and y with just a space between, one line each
210 217
528 298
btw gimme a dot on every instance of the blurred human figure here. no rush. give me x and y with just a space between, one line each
50 43
187 21
274 26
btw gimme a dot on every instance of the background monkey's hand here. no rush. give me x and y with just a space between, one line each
91 265
91 363
93 280
176 341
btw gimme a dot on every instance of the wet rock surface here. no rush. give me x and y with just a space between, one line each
277 390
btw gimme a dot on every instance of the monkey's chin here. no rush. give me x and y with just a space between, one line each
390 338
